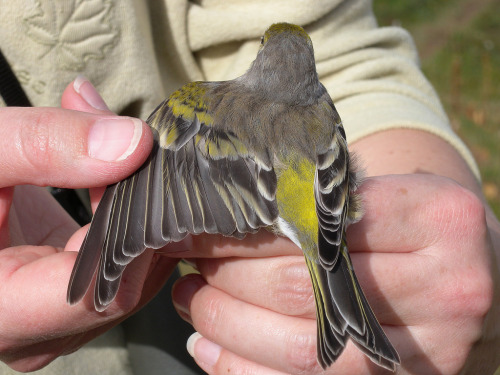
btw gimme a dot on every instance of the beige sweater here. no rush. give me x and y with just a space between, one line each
136 52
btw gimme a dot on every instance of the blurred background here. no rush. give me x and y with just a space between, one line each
459 46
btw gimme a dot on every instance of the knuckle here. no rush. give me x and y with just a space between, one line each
480 292
210 322
483 294
461 209
464 229
473 294
293 290
468 294
470 208
301 355
36 143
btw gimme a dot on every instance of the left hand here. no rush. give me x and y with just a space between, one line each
38 239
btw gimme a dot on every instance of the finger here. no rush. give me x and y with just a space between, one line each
393 284
272 340
261 244
213 359
246 340
280 284
37 219
283 284
80 95
160 270
95 195
42 272
58 147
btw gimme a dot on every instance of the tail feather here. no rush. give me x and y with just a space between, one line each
343 312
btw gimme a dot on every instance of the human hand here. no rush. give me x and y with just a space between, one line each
38 240
422 254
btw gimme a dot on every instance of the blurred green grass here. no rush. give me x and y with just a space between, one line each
459 45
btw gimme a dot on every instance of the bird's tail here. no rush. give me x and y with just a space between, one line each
343 311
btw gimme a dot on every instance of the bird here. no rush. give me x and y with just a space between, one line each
264 150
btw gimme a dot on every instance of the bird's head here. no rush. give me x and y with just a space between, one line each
285 69
286 33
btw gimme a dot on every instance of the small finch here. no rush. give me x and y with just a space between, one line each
266 149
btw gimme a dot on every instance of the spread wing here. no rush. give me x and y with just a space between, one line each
198 178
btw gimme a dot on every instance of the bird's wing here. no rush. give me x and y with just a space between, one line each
341 307
331 192
198 178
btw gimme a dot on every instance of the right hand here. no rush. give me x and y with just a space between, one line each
422 253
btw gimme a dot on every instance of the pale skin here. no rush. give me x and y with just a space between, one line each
423 254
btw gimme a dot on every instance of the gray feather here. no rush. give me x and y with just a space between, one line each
90 252
153 237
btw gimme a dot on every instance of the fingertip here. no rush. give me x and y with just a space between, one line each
205 352
95 196
81 95
75 241
182 293
191 342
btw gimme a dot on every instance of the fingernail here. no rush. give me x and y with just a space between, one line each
114 138
182 294
202 349
88 93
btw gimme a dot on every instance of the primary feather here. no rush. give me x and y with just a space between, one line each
266 149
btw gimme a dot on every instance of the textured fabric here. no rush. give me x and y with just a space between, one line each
106 355
136 52
10 88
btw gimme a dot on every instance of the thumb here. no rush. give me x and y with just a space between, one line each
71 149
81 95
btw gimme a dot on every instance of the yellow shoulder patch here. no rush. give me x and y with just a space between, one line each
188 101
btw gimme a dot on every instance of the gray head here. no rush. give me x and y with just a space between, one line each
285 69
